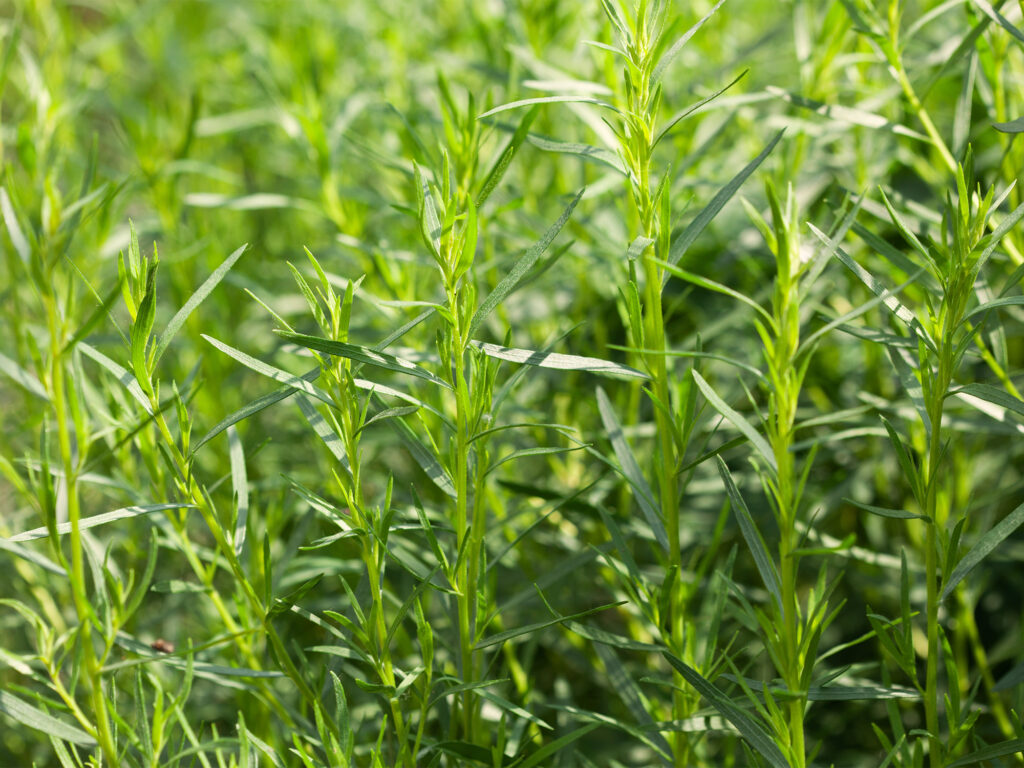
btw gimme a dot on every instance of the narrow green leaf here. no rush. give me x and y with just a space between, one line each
389 413
1004 748
22 378
631 470
298 383
723 196
253 408
628 690
586 151
756 736
209 671
284 604
10 218
1001 20
560 743
121 374
424 456
460 687
466 751
678 45
508 706
898 514
598 635
674 120
559 362
737 420
509 283
324 431
106 517
240 483
1013 126
983 548
755 542
547 100
194 301
529 629
32 557
891 302
101 311
363 355
142 329
1006 301
848 115
406 606
35 718
711 285
839 692
998 397
260 201
505 158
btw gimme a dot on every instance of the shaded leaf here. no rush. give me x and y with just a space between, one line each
737 420
983 547
35 718
194 301
631 469
723 196
518 272
754 733
363 355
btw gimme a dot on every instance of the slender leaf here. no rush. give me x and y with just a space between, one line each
983 548
363 355
547 100
678 45
35 718
737 420
106 517
22 378
298 383
559 362
126 379
723 196
631 469
530 629
765 566
253 408
194 301
509 283
755 734
898 514
992 751
560 743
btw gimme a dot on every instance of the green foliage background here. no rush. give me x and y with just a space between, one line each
283 125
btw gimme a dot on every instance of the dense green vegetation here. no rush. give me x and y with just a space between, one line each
511 384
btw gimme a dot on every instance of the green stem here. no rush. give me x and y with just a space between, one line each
931 692
93 665
939 386
191 491
465 584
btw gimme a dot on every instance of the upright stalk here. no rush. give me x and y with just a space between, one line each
642 100
785 375
93 664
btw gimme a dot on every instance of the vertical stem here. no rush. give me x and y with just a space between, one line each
93 665
784 397
466 572
939 386
640 129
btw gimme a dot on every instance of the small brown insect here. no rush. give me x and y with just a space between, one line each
162 646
